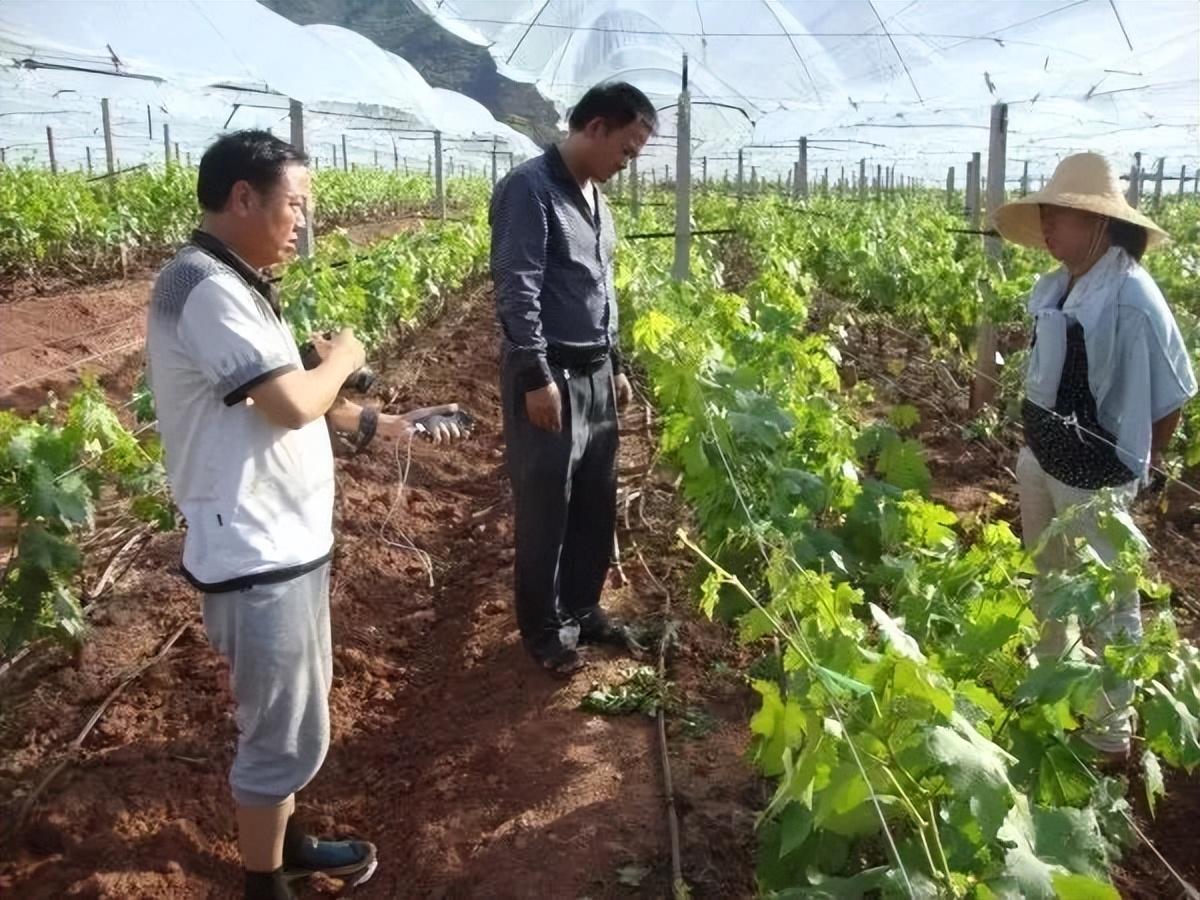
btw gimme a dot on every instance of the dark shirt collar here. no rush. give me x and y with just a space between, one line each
558 168
253 277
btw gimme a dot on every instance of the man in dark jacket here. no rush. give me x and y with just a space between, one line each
552 264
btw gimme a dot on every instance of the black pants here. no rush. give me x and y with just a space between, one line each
565 493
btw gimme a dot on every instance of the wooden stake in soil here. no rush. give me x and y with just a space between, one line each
106 121
635 183
683 183
50 146
984 388
1134 194
801 185
439 181
304 242
166 145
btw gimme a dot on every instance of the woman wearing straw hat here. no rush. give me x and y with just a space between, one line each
1108 377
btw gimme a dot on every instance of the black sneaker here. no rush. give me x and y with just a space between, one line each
352 861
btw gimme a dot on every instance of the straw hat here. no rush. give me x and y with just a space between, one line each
1083 181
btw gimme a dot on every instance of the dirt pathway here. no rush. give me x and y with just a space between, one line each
475 774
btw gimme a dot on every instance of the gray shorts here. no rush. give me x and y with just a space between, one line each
276 639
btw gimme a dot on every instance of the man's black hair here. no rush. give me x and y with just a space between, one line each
254 156
616 102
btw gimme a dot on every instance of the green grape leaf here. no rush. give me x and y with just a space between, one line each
1062 780
1153 777
894 636
1082 887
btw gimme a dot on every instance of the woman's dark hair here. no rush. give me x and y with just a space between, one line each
1131 238
616 102
254 156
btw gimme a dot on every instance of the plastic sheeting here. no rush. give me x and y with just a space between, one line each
202 66
908 84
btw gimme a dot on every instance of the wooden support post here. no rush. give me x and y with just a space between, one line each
304 234
177 153
188 158
439 183
974 198
495 169
1182 178
803 168
1133 193
109 156
862 179
984 388
740 173
88 150
1158 180
683 181
345 156
1025 179
50 147
878 181
166 145
375 151
704 171
950 187
149 123
967 190
635 188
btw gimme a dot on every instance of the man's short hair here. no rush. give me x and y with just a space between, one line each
254 156
616 102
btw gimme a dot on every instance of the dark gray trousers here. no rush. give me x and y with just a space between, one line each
565 496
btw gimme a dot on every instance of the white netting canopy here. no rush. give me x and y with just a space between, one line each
200 67
901 83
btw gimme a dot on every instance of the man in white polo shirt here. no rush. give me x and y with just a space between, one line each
248 456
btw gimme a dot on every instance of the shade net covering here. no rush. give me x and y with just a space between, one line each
201 67
908 84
